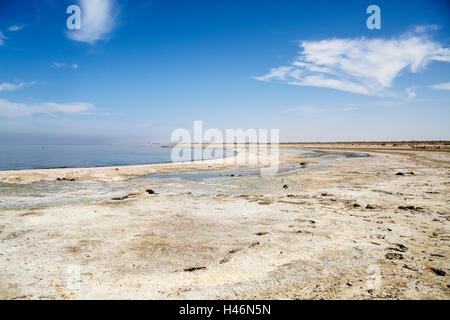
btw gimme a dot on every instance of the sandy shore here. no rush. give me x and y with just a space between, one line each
338 228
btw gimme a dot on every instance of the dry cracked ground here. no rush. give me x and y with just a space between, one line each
348 228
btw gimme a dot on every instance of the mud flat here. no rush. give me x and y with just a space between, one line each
336 227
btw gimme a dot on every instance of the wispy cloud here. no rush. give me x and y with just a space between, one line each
441 86
363 66
2 38
312 110
14 86
19 110
98 19
15 28
64 65
411 93
305 109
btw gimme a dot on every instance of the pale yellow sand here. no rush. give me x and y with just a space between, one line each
251 237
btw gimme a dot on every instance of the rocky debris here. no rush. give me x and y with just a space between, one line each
254 244
150 191
408 267
355 205
394 256
402 174
192 269
324 194
285 186
399 248
370 207
303 164
438 272
224 260
437 255
230 252
260 233
411 208
123 197
65 179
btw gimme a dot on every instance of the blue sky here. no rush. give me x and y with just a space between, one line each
137 70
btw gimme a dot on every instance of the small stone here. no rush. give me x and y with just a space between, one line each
285 186
150 191
438 272
399 174
394 256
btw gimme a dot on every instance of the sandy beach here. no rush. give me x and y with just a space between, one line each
336 227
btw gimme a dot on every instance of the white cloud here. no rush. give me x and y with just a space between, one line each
363 66
2 38
411 93
97 20
15 28
64 65
441 86
58 64
305 109
16 110
14 86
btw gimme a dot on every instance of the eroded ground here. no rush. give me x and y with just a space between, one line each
346 228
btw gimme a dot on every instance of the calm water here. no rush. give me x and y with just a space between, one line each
13 157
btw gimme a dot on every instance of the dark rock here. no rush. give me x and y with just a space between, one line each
406 207
413 208
254 244
324 194
411 173
400 248
438 272
394 256
261 233
355 205
408 267
285 186
192 269
65 179
303 163
399 174
370 207
150 191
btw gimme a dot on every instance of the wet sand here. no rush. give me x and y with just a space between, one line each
337 228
